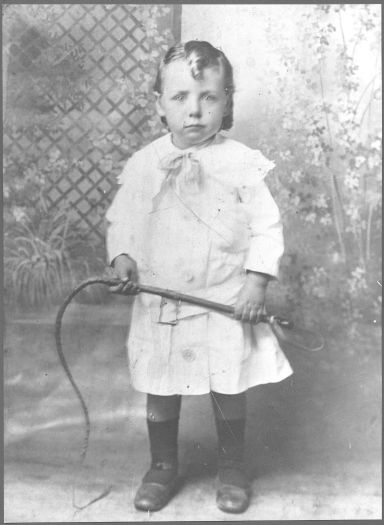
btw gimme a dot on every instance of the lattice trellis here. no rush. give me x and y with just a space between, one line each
111 44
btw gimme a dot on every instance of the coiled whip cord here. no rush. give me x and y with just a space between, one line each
59 348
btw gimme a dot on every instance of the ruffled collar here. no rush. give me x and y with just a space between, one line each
228 161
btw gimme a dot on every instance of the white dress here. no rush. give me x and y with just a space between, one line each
195 220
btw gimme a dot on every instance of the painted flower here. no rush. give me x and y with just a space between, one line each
311 217
19 213
321 201
326 220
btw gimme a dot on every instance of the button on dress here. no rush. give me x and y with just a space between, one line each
195 220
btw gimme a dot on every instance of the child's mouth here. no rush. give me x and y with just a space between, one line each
194 127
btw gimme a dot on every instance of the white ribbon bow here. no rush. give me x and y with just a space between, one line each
183 172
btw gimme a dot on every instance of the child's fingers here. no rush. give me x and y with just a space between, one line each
242 312
255 314
116 288
126 287
248 313
130 288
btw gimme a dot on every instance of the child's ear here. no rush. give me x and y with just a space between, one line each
159 107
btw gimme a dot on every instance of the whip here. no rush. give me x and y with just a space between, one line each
284 330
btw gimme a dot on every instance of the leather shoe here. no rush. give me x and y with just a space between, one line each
154 496
230 498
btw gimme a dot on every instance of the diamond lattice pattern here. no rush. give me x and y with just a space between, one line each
113 44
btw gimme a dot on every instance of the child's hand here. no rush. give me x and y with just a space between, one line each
250 303
125 269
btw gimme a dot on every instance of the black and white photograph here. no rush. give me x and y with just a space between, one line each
192 286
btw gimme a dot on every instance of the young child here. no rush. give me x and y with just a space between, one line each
193 214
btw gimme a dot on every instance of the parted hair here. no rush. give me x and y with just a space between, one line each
200 55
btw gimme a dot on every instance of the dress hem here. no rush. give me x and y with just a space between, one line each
186 392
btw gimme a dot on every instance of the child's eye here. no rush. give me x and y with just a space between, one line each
179 97
209 98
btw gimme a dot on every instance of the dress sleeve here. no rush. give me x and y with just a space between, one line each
266 244
122 213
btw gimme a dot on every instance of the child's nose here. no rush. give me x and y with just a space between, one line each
194 108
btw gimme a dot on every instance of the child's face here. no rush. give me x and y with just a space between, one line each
194 109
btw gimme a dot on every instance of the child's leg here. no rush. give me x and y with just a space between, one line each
229 406
160 482
163 424
230 416
163 408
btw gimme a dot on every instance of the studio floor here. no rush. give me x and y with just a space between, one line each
313 441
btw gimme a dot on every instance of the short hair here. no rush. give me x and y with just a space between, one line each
200 55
